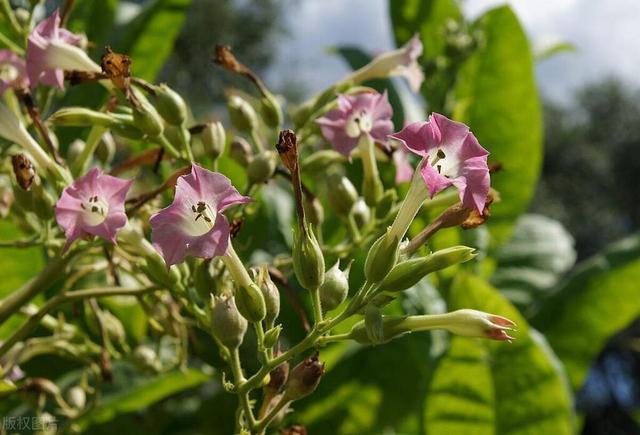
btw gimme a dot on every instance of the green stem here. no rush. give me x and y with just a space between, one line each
26 243
14 301
162 140
372 188
8 12
12 45
317 305
62 298
93 139
243 395
260 339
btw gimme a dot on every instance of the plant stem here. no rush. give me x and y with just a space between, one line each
243 396
317 305
62 298
262 424
93 139
8 12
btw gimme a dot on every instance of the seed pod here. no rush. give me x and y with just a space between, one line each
170 105
304 378
241 151
308 261
74 150
271 111
360 212
145 358
77 397
373 324
277 378
146 117
213 138
335 287
341 193
242 114
262 167
250 302
270 293
227 325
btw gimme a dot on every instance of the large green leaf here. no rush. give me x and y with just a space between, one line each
539 252
150 37
596 301
496 96
132 392
484 387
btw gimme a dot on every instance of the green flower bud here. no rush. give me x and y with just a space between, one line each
270 293
320 161
227 325
147 118
146 359
74 150
271 111
106 150
213 138
242 114
76 397
382 256
386 202
262 167
170 105
271 337
408 273
373 324
82 117
341 193
304 378
392 327
308 261
360 212
250 302
241 151
335 287
313 211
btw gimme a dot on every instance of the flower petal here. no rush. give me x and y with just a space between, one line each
435 181
214 243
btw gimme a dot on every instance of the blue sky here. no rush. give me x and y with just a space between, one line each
605 32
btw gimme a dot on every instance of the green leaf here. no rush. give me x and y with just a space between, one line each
357 58
426 17
496 95
6 387
150 37
554 49
484 387
539 252
598 300
133 393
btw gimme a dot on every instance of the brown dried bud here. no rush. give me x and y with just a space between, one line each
277 379
304 378
288 149
225 58
23 170
476 219
296 429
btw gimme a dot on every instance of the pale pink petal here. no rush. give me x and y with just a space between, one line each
109 227
475 172
214 243
433 179
170 243
404 170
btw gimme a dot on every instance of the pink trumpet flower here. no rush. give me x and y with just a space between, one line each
93 205
194 224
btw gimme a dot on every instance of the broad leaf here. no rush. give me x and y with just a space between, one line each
539 252
496 96
485 387
598 300
131 392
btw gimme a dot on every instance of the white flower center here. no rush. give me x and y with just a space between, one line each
359 123
201 219
8 73
446 164
94 210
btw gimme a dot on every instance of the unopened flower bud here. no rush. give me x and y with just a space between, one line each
304 378
372 190
335 287
382 256
262 167
83 117
270 293
213 138
386 202
146 117
467 323
271 110
271 337
242 114
341 193
145 358
250 302
106 150
241 151
77 397
308 261
318 162
227 325
360 212
74 150
170 105
408 273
